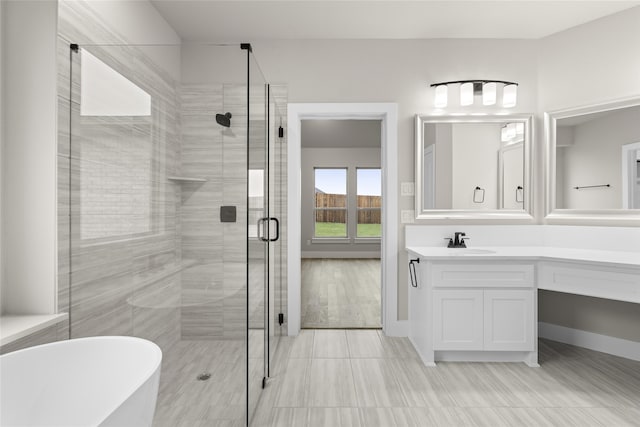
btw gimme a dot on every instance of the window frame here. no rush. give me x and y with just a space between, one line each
359 209
346 236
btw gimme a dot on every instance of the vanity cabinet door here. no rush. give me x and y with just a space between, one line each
508 320
457 319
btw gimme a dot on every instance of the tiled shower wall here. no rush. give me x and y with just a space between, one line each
125 242
175 272
214 288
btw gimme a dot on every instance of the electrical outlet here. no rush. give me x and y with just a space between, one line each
407 217
308 242
407 189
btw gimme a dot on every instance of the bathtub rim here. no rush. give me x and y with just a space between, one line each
149 371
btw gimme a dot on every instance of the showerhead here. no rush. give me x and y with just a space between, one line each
224 119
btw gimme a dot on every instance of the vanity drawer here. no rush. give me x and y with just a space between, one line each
591 280
482 275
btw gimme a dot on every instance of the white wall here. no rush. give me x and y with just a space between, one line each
29 157
595 158
440 135
591 63
29 73
475 164
334 157
2 130
397 71
588 64
136 22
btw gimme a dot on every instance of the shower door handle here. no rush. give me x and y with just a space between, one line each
277 229
262 226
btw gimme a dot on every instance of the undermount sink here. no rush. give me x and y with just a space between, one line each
469 251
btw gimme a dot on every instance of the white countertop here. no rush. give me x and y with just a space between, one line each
15 327
620 258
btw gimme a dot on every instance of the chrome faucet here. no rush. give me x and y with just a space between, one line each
457 241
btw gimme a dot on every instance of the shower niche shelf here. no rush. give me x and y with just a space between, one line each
179 179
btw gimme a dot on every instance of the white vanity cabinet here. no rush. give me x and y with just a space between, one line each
458 319
474 311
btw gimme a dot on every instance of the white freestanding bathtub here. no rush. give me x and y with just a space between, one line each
97 381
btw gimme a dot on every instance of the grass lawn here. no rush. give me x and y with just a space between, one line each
369 230
332 229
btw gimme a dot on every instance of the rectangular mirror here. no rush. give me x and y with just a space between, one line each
593 158
473 167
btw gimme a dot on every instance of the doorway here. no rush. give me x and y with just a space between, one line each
341 223
387 114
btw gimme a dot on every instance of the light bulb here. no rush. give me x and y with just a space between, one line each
489 93
440 100
510 95
466 94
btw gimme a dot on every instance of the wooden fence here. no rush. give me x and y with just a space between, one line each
367 216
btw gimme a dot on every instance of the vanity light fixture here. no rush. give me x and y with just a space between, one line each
466 94
469 89
489 91
441 96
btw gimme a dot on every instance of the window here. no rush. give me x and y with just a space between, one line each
330 205
120 146
369 202
256 200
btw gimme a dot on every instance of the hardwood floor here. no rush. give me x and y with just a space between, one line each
363 378
341 293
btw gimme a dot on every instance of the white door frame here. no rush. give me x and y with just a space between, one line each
388 114
628 174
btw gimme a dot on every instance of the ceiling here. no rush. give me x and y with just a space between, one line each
341 133
244 20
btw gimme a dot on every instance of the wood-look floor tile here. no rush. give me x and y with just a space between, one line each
420 386
340 293
331 384
334 417
302 346
294 384
397 347
376 384
364 343
287 417
445 416
377 417
330 343
571 417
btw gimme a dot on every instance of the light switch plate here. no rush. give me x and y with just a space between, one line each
407 217
407 189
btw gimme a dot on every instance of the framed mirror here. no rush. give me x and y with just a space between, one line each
473 166
593 162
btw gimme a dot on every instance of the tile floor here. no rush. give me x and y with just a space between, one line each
340 293
338 378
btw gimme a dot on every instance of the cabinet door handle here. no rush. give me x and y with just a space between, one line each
412 272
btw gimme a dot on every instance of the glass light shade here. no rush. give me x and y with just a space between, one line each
503 134
489 93
466 94
440 100
509 96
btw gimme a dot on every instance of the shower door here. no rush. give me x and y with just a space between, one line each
263 230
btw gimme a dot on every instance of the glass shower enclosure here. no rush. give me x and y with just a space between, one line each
169 209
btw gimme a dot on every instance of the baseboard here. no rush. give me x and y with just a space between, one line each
603 343
426 361
339 254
